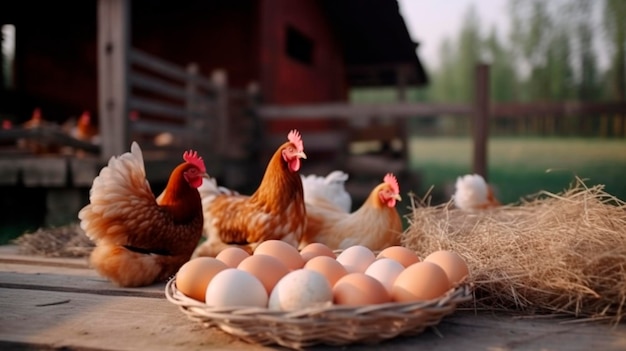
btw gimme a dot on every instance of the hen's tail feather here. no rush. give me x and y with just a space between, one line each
328 189
123 180
209 190
336 177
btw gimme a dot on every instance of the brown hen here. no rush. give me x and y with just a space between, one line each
139 240
275 210
376 224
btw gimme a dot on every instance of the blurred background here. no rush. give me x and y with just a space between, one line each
528 93
540 53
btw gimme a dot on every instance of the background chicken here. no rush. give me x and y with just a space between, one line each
36 144
139 240
376 224
473 193
82 129
329 189
85 130
276 210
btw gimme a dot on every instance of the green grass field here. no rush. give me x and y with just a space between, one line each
521 166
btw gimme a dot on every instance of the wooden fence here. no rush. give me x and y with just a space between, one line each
167 108
482 116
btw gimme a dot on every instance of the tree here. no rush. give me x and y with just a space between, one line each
503 77
615 27
470 48
588 88
454 79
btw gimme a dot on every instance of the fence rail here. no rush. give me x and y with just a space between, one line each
481 114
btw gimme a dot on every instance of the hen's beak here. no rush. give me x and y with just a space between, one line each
301 154
397 197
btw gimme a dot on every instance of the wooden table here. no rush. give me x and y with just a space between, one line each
59 303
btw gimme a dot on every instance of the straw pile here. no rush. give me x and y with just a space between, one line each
65 241
558 254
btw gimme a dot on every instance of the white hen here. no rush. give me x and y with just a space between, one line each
473 193
321 191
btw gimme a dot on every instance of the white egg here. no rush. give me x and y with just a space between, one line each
299 289
356 259
385 270
235 287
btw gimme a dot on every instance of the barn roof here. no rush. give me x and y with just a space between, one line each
374 35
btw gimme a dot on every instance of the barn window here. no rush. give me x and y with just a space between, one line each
7 39
299 46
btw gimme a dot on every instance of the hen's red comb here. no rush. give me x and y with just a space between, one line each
294 138
393 182
193 158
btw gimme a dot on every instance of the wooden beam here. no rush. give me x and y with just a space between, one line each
159 108
220 81
166 68
481 120
557 109
113 83
156 85
362 111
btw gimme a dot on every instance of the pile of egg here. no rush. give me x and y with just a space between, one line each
278 277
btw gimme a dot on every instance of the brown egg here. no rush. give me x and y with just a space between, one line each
328 267
420 281
232 256
358 289
316 249
405 256
269 270
281 250
452 263
194 276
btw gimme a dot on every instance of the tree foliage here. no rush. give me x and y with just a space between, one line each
548 53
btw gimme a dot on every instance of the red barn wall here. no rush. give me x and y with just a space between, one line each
214 34
288 81
285 80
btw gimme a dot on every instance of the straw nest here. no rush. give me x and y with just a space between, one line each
558 254
65 241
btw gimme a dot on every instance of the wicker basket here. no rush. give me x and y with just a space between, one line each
334 325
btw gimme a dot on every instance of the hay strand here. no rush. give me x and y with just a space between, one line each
548 254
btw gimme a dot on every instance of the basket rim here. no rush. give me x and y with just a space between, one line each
460 293
331 325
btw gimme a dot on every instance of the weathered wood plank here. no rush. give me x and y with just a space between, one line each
84 170
75 321
156 85
113 46
9 172
43 171
166 68
158 108
61 303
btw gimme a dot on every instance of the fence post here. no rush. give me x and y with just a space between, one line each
191 102
113 67
481 119
221 109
